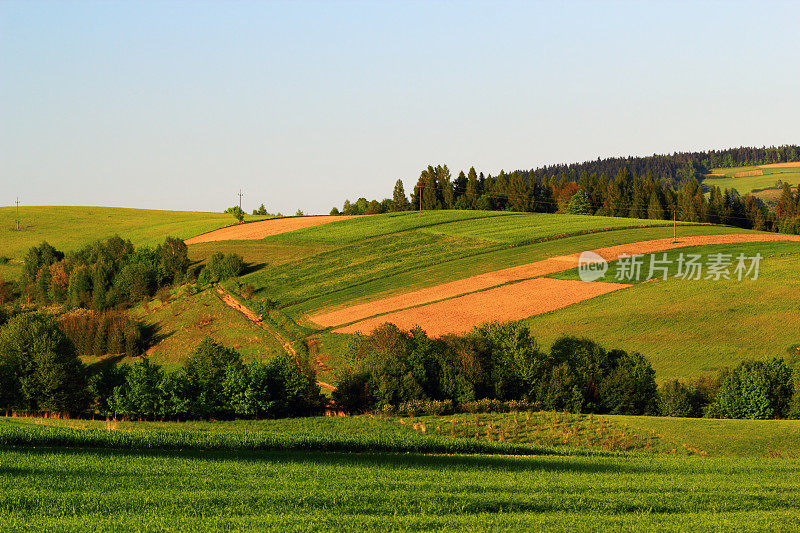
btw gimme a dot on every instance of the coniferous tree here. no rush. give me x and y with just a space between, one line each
399 200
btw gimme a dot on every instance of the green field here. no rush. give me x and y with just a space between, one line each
686 327
69 228
368 258
67 477
746 184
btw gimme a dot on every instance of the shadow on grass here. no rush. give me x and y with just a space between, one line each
382 460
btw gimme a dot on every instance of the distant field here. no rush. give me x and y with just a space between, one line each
688 328
206 486
69 228
746 184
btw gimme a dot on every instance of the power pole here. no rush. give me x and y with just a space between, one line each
420 198
674 226
17 213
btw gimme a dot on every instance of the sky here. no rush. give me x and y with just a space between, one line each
178 105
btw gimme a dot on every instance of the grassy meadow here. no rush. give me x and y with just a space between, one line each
288 474
687 327
69 228
746 184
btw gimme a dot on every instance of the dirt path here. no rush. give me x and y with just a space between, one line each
264 228
455 291
287 346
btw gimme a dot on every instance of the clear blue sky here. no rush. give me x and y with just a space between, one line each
175 105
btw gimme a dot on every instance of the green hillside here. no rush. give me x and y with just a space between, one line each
362 260
365 259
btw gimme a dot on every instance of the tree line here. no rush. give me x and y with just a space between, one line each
500 363
656 187
497 365
41 373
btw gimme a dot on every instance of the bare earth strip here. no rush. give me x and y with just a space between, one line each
781 165
509 302
265 228
450 291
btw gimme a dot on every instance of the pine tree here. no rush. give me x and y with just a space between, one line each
399 200
655 209
472 192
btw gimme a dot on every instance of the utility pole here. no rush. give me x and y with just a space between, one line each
674 226
420 198
17 213
240 199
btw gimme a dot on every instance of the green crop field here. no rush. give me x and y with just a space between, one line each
746 184
299 475
688 327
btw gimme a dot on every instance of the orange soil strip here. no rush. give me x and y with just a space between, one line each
749 173
509 302
781 165
530 270
265 228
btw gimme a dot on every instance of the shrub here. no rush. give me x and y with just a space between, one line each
677 399
756 389
353 393
630 389
221 267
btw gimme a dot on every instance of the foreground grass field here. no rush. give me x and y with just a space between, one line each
58 486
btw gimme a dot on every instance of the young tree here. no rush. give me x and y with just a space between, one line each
399 200
579 204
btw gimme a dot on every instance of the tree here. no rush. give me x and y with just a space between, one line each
173 260
579 204
237 212
205 371
399 200
141 394
472 192
655 209
39 363
630 388
756 389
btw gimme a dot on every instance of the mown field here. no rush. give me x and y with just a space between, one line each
198 483
746 184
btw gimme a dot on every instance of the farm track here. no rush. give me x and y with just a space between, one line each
287 346
451 299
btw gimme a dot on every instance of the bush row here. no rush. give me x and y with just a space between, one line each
496 361
498 367
40 372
